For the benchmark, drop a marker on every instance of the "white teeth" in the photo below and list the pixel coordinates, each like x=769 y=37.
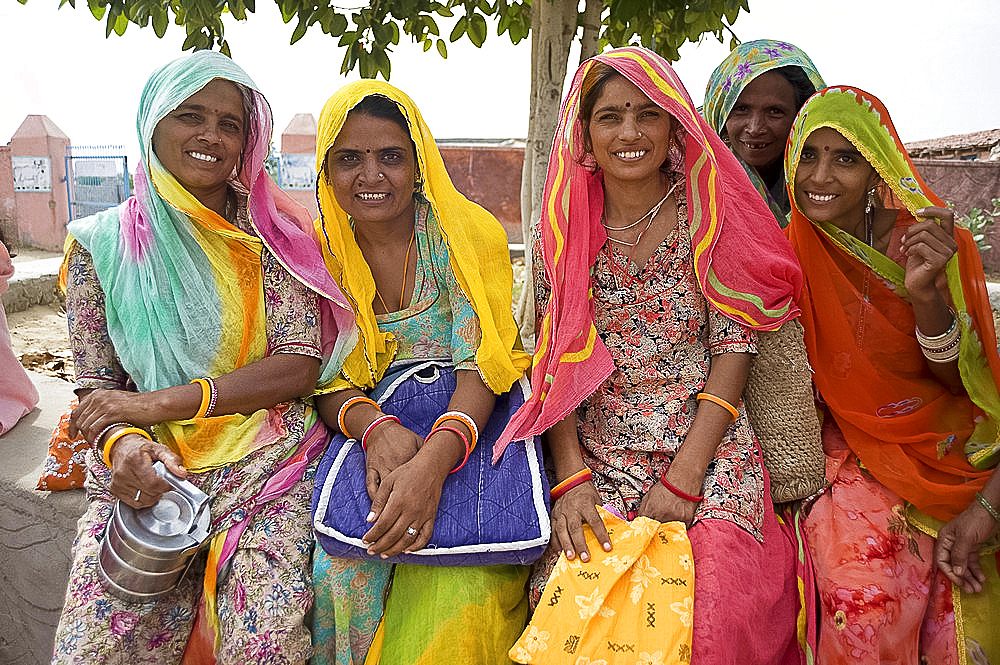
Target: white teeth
x=634 y=154
x=203 y=157
x=820 y=198
x=365 y=196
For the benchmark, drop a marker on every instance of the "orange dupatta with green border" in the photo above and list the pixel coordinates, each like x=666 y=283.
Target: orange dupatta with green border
x=933 y=448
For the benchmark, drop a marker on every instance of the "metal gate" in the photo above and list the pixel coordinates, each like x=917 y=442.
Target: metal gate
x=97 y=178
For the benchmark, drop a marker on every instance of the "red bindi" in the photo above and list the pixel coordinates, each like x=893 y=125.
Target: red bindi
x=826 y=148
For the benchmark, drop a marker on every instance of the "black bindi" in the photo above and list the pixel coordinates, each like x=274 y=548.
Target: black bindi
x=628 y=104
x=369 y=149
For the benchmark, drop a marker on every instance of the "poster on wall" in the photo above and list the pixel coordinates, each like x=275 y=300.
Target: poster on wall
x=298 y=171
x=31 y=174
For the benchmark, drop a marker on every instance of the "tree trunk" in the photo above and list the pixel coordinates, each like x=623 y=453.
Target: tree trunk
x=590 y=21
x=553 y=26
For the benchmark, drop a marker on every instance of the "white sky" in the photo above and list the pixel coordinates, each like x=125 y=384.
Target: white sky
x=934 y=64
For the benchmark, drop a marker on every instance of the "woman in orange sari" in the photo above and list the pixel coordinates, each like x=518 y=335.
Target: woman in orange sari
x=900 y=335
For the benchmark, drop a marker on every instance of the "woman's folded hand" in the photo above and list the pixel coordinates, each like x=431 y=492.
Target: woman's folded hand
x=133 y=479
x=390 y=445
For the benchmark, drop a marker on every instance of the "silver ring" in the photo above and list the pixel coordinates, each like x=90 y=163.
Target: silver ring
x=137 y=494
x=381 y=176
x=410 y=530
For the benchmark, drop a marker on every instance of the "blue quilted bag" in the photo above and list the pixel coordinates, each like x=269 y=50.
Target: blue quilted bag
x=488 y=514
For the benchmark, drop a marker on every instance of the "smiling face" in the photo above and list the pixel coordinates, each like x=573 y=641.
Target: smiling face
x=372 y=168
x=832 y=181
x=201 y=141
x=627 y=133
x=759 y=122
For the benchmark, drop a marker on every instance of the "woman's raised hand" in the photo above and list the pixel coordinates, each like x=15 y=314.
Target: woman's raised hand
x=928 y=245
x=578 y=506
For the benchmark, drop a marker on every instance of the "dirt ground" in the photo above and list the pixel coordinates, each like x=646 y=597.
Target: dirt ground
x=39 y=338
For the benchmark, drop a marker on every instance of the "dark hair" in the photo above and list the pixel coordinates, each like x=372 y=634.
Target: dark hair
x=383 y=108
x=591 y=90
x=803 y=87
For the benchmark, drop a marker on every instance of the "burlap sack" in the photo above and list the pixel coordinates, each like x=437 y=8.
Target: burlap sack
x=779 y=402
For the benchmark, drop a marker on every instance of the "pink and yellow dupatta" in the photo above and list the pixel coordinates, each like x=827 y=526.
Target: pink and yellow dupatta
x=746 y=270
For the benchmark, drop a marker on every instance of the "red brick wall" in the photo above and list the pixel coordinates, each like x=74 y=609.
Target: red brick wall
x=490 y=175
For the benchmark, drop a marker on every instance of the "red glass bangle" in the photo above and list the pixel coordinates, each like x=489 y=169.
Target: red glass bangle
x=461 y=435
x=375 y=423
x=694 y=498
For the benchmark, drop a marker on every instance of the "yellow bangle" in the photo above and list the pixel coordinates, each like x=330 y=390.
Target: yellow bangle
x=206 y=398
x=113 y=439
x=721 y=402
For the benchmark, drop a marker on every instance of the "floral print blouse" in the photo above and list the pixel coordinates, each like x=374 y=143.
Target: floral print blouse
x=661 y=335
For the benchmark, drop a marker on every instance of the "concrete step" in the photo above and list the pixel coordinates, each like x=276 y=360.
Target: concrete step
x=36 y=532
x=33 y=283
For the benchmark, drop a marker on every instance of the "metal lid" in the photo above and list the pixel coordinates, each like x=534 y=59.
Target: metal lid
x=179 y=521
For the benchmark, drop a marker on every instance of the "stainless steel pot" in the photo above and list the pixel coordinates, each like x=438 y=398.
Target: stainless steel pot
x=146 y=551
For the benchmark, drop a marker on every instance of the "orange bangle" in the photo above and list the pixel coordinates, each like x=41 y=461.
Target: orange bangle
x=578 y=478
x=357 y=399
x=206 y=398
x=113 y=439
x=719 y=401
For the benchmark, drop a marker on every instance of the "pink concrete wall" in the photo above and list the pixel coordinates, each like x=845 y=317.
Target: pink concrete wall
x=42 y=216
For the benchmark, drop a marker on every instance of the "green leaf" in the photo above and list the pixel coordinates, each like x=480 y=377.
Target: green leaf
x=427 y=44
x=383 y=64
x=477 y=30
x=338 y=24
x=224 y=49
x=299 y=32
x=458 y=30
x=96 y=8
x=442 y=48
x=160 y=20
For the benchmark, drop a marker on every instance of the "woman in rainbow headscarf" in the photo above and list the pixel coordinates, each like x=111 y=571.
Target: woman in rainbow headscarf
x=657 y=272
x=751 y=100
x=200 y=317
x=901 y=340
x=430 y=277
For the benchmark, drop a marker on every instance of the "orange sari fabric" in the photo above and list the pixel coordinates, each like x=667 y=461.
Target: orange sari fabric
x=903 y=424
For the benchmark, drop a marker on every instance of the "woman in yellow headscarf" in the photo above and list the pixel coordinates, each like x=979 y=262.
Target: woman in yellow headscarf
x=429 y=275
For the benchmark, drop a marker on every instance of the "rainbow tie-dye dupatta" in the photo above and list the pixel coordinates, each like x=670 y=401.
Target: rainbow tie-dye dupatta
x=747 y=270
x=183 y=286
x=746 y=62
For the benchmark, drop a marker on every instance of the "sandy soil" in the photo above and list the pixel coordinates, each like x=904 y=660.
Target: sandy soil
x=39 y=338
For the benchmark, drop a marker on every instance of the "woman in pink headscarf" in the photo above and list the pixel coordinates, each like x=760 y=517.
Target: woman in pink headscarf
x=657 y=273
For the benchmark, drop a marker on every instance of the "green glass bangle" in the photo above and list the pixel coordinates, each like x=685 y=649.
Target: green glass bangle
x=988 y=506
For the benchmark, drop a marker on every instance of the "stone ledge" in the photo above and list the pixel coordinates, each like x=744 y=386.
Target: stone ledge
x=37 y=530
x=33 y=283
